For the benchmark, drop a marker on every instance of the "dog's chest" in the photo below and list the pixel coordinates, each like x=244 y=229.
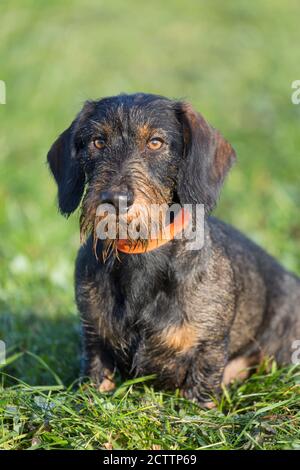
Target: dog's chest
x=143 y=322
x=149 y=339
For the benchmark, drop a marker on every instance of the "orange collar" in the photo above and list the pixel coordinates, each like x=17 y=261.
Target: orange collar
x=180 y=223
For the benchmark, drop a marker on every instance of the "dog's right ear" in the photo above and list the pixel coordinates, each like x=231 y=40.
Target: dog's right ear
x=69 y=176
x=207 y=159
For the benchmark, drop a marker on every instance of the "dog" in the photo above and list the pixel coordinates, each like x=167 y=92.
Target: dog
x=193 y=318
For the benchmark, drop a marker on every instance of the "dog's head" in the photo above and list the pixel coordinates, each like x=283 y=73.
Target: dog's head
x=138 y=150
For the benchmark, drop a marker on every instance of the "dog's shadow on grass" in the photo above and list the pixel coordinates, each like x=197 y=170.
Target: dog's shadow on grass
x=40 y=350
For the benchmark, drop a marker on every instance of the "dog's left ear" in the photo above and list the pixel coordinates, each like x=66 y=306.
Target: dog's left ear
x=64 y=162
x=207 y=159
x=66 y=169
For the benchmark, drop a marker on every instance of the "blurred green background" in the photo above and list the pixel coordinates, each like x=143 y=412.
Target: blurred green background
x=235 y=61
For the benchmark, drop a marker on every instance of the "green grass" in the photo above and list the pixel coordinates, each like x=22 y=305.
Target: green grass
x=263 y=413
x=235 y=61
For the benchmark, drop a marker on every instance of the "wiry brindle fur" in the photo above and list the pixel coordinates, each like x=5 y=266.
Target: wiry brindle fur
x=193 y=318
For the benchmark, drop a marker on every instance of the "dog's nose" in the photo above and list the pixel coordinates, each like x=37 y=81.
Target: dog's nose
x=121 y=200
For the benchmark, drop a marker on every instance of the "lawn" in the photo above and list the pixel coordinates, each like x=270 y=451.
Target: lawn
x=235 y=61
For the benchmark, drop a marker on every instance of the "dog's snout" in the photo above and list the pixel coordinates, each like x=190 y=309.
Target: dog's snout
x=121 y=200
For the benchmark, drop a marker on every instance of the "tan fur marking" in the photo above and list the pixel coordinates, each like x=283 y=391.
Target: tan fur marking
x=181 y=338
x=224 y=153
x=209 y=405
x=238 y=369
x=107 y=384
x=144 y=132
x=103 y=127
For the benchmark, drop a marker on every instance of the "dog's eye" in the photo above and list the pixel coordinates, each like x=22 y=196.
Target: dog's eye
x=155 y=143
x=99 y=143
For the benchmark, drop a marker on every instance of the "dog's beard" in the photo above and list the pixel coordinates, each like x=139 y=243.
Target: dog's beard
x=137 y=226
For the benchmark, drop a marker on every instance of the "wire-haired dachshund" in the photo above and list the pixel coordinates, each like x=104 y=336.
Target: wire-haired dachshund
x=193 y=318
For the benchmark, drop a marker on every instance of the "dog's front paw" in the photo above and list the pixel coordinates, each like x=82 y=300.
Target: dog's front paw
x=107 y=385
x=102 y=379
x=194 y=395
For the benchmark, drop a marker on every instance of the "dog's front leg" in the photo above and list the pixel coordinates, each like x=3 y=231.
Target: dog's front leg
x=98 y=364
x=204 y=377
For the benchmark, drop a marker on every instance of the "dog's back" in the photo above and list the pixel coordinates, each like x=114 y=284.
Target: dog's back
x=267 y=318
